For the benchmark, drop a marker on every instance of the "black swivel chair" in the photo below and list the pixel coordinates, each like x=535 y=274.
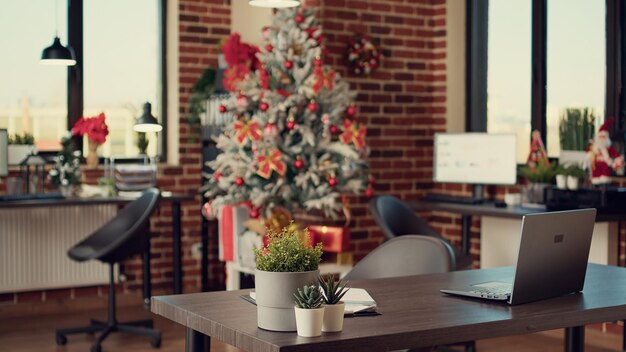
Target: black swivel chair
x=395 y=218
x=123 y=236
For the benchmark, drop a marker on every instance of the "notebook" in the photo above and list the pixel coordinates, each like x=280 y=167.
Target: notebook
x=552 y=259
x=358 y=302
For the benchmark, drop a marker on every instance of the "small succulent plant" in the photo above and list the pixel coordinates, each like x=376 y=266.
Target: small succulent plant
x=333 y=290
x=309 y=297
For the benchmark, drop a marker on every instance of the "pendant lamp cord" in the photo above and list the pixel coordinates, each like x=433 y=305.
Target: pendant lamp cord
x=56 y=18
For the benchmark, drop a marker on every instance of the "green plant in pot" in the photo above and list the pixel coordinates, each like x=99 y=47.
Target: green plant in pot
x=333 y=292
x=539 y=177
x=285 y=264
x=309 y=311
x=574 y=174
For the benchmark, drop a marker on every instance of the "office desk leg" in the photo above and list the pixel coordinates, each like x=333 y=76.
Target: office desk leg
x=197 y=341
x=147 y=284
x=575 y=339
x=178 y=272
x=204 y=257
x=624 y=336
x=466 y=233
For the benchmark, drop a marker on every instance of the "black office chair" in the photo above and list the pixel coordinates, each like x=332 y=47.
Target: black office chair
x=405 y=256
x=123 y=236
x=395 y=218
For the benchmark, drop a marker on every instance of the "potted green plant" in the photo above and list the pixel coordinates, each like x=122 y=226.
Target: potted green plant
x=309 y=311
x=20 y=147
x=539 y=177
x=576 y=129
x=333 y=291
x=574 y=174
x=285 y=264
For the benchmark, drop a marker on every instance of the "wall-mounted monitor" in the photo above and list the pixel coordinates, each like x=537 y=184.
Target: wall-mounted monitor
x=475 y=158
x=4 y=153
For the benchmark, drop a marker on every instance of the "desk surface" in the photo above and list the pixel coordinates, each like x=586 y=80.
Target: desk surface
x=488 y=208
x=165 y=196
x=414 y=313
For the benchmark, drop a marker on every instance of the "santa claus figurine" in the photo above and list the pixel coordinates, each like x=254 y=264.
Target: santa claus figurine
x=603 y=157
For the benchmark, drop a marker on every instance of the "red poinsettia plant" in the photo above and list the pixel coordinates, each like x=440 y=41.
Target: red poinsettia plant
x=241 y=59
x=94 y=127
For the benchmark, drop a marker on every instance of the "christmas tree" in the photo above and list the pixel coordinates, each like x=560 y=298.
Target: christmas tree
x=294 y=141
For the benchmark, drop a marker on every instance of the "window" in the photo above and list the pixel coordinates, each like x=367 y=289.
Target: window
x=121 y=68
x=33 y=97
x=576 y=62
x=508 y=71
x=543 y=57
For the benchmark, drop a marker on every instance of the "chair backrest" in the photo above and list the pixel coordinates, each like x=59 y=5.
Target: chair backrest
x=395 y=218
x=122 y=235
x=404 y=256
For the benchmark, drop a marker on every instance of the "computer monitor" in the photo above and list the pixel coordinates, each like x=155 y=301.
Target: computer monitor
x=475 y=158
x=4 y=153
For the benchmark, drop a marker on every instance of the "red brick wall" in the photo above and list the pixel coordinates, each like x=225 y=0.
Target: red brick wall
x=402 y=103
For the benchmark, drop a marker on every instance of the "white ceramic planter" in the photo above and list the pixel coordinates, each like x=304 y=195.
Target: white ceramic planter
x=572 y=183
x=561 y=181
x=309 y=321
x=274 y=297
x=19 y=152
x=333 y=317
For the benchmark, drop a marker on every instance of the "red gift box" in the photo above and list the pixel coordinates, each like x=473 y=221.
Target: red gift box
x=335 y=239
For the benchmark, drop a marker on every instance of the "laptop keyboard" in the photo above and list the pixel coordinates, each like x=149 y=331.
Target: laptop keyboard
x=492 y=290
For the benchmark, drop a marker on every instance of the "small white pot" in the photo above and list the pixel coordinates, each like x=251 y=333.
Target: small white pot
x=572 y=183
x=333 y=317
x=561 y=181
x=18 y=152
x=309 y=321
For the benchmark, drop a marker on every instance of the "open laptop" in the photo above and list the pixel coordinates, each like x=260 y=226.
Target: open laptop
x=552 y=259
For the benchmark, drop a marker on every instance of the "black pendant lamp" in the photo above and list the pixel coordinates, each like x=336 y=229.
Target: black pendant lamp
x=274 y=3
x=146 y=122
x=57 y=54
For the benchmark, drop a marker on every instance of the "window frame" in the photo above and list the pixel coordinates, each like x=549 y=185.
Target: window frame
x=75 y=88
x=477 y=44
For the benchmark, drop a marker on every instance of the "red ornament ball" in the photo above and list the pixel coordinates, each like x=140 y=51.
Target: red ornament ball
x=223 y=109
x=312 y=106
x=254 y=213
x=299 y=18
x=334 y=129
x=217 y=175
x=298 y=164
x=351 y=110
x=288 y=64
x=269 y=48
x=369 y=192
x=239 y=181
x=290 y=125
x=332 y=182
x=264 y=106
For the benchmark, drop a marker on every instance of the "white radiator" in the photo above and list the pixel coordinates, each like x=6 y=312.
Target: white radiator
x=34 y=242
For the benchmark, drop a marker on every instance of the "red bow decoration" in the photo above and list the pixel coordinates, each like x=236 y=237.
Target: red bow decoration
x=247 y=129
x=354 y=133
x=271 y=161
x=323 y=80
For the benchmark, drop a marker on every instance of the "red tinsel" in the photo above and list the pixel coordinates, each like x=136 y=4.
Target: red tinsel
x=94 y=127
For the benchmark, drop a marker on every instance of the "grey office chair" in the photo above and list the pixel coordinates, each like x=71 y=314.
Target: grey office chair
x=404 y=256
x=395 y=218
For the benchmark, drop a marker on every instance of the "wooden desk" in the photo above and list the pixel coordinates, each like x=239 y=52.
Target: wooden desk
x=500 y=230
x=175 y=199
x=414 y=314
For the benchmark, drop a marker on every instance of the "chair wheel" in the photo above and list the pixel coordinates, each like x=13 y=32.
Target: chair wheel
x=61 y=339
x=96 y=348
x=155 y=342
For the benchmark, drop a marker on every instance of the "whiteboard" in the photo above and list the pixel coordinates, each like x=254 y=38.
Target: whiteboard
x=475 y=158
